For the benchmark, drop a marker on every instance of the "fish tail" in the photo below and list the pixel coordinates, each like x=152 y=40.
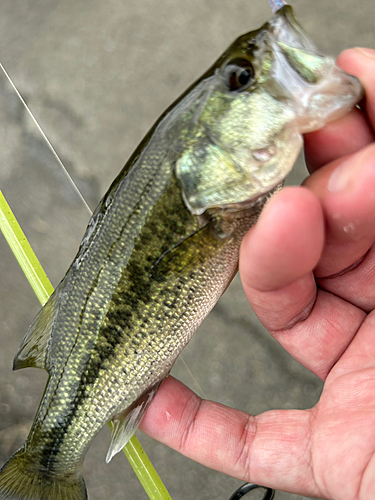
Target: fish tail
x=21 y=479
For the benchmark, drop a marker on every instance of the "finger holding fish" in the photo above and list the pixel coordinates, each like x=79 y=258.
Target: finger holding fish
x=297 y=311
x=344 y=188
x=288 y=303
x=294 y=307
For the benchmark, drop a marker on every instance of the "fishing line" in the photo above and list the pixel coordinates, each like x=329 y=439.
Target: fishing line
x=76 y=189
x=47 y=141
x=193 y=377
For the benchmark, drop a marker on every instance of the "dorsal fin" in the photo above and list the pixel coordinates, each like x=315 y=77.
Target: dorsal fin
x=33 y=349
x=126 y=423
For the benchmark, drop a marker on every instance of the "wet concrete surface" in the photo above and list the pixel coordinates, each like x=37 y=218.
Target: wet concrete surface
x=97 y=75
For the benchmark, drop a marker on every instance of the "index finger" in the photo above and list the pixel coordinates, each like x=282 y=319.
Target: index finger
x=252 y=448
x=356 y=129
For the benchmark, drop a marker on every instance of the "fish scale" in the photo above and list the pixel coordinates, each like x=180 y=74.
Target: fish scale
x=141 y=356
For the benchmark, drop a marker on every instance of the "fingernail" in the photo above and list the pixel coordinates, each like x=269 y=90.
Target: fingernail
x=341 y=177
x=366 y=52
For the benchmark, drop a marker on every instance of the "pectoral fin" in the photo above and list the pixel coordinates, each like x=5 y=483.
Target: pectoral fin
x=125 y=424
x=191 y=252
x=34 y=347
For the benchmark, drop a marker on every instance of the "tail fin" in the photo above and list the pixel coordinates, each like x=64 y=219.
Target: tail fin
x=20 y=479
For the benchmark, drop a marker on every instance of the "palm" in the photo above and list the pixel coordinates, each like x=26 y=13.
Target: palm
x=342 y=426
x=308 y=270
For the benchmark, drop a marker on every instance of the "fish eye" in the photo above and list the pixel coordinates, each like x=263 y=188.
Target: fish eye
x=239 y=74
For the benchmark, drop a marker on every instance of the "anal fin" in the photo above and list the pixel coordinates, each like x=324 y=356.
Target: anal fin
x=33 y=349
x=125 y=424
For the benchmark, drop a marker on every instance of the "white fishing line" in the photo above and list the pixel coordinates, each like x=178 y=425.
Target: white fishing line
x=198 y=386
x=47 y=141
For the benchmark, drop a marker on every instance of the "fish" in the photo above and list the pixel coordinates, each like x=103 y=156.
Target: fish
x=162 y=246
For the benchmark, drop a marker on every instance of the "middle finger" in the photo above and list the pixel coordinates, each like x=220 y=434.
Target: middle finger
x=346 y=191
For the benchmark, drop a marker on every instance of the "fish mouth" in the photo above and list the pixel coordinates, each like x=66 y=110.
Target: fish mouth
x=315 y=88
x=336 y=95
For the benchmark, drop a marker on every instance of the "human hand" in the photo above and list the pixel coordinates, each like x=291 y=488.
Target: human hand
x=308 y=270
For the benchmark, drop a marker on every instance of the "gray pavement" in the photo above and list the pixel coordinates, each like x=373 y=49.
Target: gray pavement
x=97 y=75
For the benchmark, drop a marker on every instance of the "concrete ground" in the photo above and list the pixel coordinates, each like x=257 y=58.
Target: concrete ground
x=97 y=75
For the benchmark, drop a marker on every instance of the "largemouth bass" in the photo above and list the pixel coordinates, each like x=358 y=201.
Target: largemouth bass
x=163 y=244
